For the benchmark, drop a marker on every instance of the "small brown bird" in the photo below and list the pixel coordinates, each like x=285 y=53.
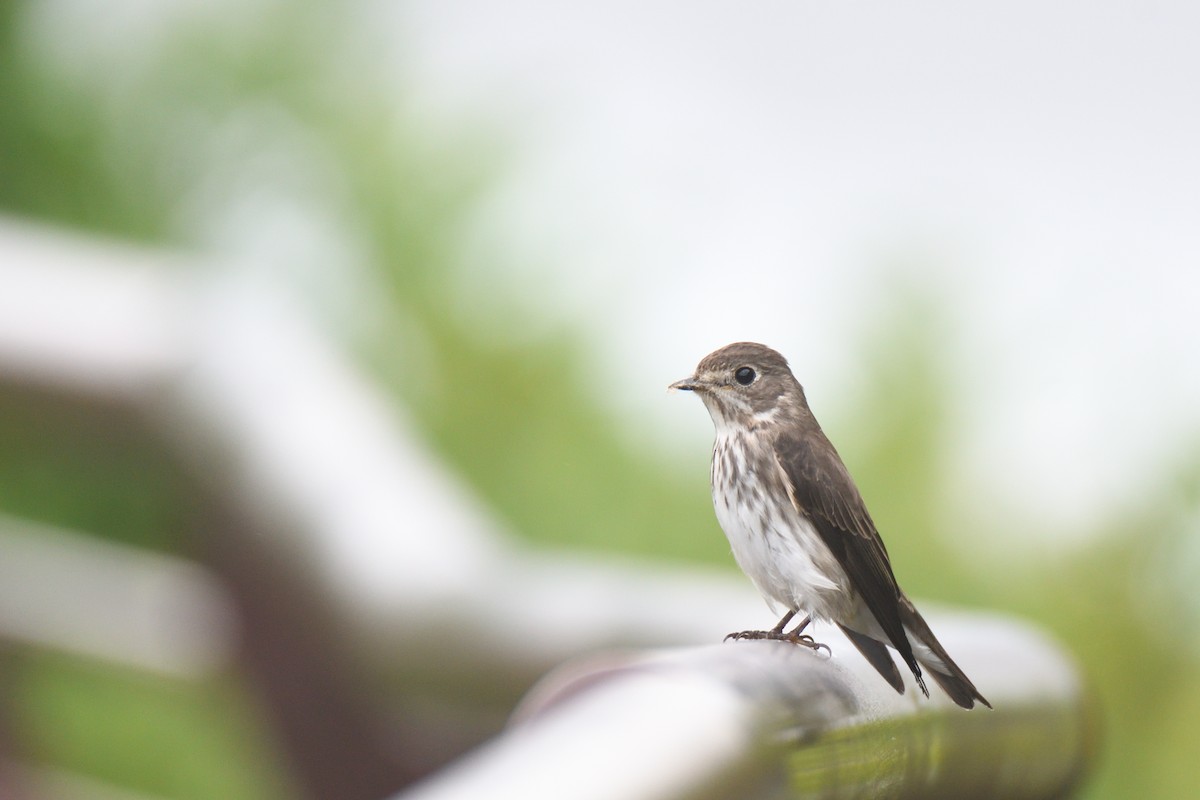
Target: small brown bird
x=798 y=526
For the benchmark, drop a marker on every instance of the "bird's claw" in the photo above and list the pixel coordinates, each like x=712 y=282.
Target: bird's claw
x=809 y=642
x=802 y=639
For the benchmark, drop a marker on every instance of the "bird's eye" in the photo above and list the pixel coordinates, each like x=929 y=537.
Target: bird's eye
x=744 y=375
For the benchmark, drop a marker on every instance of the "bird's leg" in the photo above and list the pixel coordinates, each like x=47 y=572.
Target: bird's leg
x=774 y=633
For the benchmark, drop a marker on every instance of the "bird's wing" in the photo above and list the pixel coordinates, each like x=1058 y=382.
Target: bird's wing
x=821 y=488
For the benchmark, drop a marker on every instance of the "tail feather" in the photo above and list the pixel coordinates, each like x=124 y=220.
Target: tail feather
x=937 y=661
x=960 y=689
x=877 y=655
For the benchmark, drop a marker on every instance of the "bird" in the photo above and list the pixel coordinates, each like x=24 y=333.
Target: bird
x=798 y=525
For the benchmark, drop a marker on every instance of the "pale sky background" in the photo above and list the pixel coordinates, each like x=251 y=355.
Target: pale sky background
x=693 y=173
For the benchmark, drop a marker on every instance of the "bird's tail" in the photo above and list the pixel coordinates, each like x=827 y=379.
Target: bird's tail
x=936 y=661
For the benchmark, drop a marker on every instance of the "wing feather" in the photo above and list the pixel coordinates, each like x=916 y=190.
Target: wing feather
x=821 y=488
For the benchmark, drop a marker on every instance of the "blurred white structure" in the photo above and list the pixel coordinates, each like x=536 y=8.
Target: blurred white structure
x=311 y=489
x=67 y=591
x=779 y=721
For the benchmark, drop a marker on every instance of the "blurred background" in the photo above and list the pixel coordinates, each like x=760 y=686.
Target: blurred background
x=972 y=230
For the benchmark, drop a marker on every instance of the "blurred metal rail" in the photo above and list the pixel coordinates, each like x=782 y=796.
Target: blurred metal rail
x=350 y=555
x=766 y=720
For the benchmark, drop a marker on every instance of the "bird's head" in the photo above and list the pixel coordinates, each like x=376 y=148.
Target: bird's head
x=744 y=384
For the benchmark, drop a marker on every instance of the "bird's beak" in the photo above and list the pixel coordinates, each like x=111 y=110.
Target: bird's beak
x=688 y=384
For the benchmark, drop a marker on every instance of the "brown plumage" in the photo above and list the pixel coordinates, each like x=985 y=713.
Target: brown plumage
x=798 y=525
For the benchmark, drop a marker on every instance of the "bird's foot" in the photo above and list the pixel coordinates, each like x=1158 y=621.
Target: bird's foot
x=794 y=637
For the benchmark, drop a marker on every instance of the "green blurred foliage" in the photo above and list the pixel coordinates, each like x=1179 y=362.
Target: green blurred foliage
x=128 y=156
x=162 y=737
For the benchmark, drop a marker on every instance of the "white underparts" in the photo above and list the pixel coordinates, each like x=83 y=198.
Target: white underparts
x=773 y=543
